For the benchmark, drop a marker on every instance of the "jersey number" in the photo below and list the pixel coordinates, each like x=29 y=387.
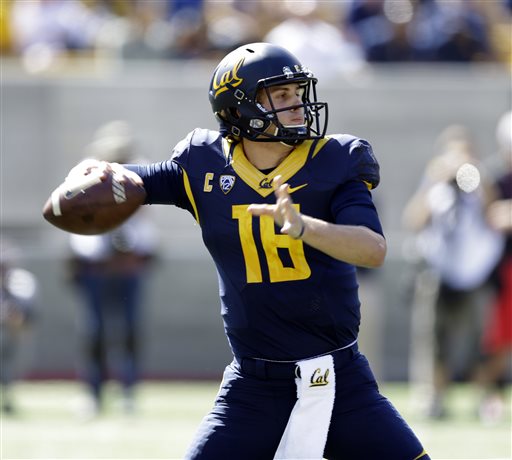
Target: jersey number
x=271 y=243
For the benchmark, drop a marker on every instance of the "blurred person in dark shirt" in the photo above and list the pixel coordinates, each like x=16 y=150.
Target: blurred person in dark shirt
x=111 y=270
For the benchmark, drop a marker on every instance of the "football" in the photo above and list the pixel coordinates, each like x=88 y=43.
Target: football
x=94 y=203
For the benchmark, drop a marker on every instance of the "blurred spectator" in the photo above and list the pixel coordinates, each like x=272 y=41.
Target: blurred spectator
x=381 y=35
x=463 y=33
x=188 y=29
x=425 y=30
x=167 y=29
x=110 y=270
x=44 y=29
x=178 y=6
x=317 y=43
x=497 y=340
x=230 y=25
x=41 y=31
x=459 y=251
x=18 y=293
x=499 y=20
x=149 y=35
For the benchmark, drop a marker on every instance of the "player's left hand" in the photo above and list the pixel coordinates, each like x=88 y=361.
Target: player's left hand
x=283 y=212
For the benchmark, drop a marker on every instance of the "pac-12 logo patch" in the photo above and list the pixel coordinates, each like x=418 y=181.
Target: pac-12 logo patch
x=226 y=182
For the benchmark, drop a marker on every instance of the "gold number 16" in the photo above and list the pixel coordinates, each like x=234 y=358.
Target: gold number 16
x=271 y=242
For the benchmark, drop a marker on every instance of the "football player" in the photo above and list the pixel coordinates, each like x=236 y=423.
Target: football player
x=287 y=215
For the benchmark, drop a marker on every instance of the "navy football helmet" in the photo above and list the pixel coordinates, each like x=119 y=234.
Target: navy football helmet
x=237 y=81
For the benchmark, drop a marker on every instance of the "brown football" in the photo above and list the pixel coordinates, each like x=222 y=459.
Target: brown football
x=93 y=203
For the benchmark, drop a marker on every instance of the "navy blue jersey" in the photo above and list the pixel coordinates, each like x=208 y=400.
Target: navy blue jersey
x=281 y=299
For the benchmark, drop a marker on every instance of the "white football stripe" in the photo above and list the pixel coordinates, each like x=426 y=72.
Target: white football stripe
x=118 y=190
x=78 y=186
x=56 y=203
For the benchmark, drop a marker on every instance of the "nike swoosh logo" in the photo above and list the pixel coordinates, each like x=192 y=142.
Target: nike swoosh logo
x=294 y=189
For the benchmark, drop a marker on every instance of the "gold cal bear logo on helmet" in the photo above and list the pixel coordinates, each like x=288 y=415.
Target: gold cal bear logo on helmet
x=229 y=76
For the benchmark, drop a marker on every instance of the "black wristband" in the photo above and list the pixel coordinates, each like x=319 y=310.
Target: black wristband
x=302 y=230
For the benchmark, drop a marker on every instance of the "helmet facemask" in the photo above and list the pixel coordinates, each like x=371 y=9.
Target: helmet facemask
x=311 y=128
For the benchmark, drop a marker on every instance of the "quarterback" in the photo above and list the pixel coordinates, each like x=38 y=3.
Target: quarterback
x=286 y=213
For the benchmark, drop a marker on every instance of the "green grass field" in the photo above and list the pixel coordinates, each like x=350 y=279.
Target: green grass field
x=48 y=425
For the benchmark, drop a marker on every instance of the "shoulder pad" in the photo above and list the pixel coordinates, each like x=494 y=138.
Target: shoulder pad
x=363 y=164
x=343 y=139
x=200 y=137
x=196 y=138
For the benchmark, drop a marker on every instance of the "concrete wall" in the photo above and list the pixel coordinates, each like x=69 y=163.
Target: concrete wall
x=46 y=121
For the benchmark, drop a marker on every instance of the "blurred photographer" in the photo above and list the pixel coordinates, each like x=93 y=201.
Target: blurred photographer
x=458 y=251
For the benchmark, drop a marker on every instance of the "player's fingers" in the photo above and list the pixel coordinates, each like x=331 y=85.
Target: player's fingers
x=84 y=168
x=294 y=228
x=277 y=182
x=262 y=209
x=293 y=224
x=285 y=207
x=280 y=188
x=266 y=210
x=286 y=228
x=282 y=191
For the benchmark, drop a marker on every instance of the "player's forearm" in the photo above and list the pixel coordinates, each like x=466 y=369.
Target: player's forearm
x=356 y=245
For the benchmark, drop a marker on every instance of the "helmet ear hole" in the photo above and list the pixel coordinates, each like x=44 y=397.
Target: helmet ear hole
x=235 y=113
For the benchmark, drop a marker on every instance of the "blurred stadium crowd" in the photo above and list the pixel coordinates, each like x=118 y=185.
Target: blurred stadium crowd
x=356 y=31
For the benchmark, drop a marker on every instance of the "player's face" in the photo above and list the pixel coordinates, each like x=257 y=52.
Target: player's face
x=285 y=96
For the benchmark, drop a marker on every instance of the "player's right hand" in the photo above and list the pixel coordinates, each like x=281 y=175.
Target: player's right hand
x=103 y=168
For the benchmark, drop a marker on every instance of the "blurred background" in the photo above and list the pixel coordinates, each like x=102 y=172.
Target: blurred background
x=397 y=73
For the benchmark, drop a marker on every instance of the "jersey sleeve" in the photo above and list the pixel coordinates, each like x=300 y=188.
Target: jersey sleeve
x=164 y=181
x=352 y=204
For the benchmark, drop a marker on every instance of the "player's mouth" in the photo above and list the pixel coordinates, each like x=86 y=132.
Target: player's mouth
x=295 y=122
x=296 y=119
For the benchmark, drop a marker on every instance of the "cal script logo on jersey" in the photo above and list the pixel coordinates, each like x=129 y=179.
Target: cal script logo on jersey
x=266 y=183
x=230 y=77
